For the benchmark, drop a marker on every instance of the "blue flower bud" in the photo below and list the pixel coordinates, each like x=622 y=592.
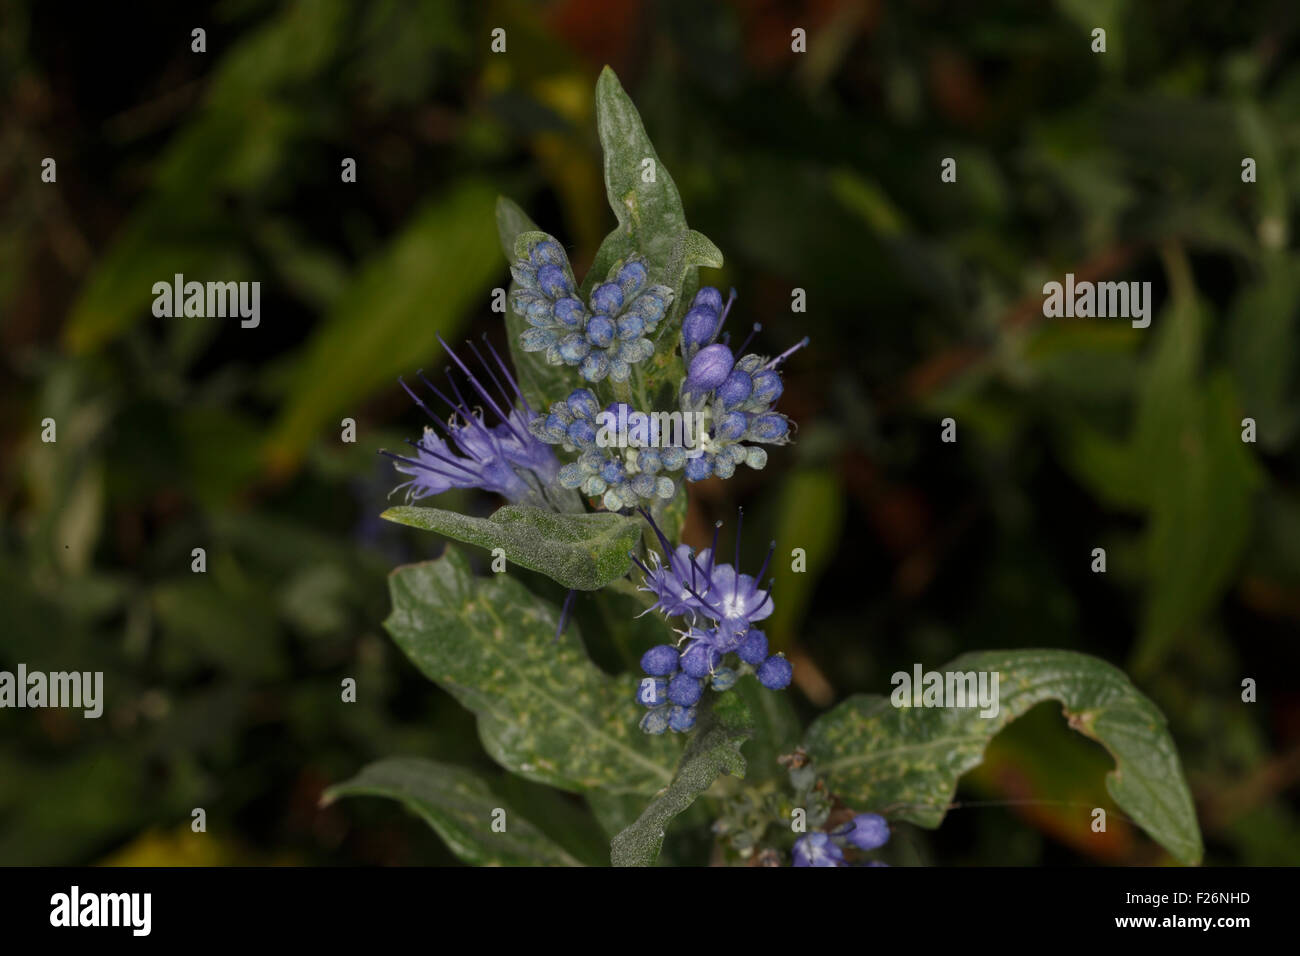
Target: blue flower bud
x=698 y=327
x=594 y=367
x=753 y=647
x=643 y=485
x=697 y=469
x=681 y=719
x=571 y=476
x=652 y=692
x=709 y=369
x=708 y=298
x=600 y=331
x=735 y=389
x=552 y=281
x=756 y=458
x=700 y=658
x=582 y=403
x=723 y=466
x=660 y=661
x=775 y=673
x=685 y=691
x=767 y=387
x=652 y=305
x=581 y=433
x=570 y=311
x=770 y=427
x=672 y=457
x=546 y=253
x=664 y=488
x=731 y=426
x=630 y=326
x=724 y=678
x=647 y=459
x=607 y=298
x=655 y=721
x=613 y=471
x=631 y=277
x=870 y=831
x=573 y=348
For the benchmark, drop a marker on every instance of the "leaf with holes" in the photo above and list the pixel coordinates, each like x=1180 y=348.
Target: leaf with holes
x=905 y=761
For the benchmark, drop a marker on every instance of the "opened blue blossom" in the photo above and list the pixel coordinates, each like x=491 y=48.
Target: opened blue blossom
x=816 y=849
x=866 y=831
x=719 y=605
x=603 y=337
x=463 y=449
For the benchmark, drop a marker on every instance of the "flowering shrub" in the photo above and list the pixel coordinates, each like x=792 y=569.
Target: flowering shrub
x=602 y=516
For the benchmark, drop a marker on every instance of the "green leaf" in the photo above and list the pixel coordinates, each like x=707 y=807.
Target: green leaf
x=650 y=216
x=713 y=750
x=541 y=382
x=905 y=761
x=387 y=321
x=544 y=710
x=460 y=807
x=583 y=552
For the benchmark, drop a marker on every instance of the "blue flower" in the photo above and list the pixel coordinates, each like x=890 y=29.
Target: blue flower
x=816 y=849
x=621 y=477
x=603 y=338
x=870 y=831
x=465 y=451
x=720 y=605
x=736 y=397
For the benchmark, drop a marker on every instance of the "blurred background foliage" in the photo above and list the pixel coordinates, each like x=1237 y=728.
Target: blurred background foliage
x=816 y=171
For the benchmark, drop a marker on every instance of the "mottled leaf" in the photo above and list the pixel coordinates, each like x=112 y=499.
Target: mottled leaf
x=544 y=710
x=905 y=761
x=581 y=551
x=460 y=807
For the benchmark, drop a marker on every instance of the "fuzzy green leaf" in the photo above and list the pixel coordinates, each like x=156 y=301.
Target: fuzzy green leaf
x=905 y=761
x=545 y=711
x=460 y=807
x=714 y=750
x=583 y=552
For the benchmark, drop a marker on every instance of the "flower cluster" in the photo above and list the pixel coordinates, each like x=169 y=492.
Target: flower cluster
x=464 y=451
x=604 y=337
x=866 y=831
x=621 y=481
x=720 y=606
x=737 y=398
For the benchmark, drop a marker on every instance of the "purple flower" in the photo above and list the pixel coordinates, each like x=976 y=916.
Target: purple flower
x=720 y=605
x=816 y=849
x=465 y=451
x=870 y=831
